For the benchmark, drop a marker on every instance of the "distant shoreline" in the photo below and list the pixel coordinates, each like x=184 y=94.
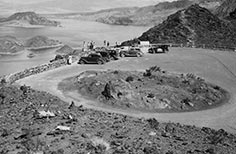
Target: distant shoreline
x=10 y=53
x=43 y=47
x=24 y=25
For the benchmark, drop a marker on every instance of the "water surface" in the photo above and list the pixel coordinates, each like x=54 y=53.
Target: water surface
x=72 y=32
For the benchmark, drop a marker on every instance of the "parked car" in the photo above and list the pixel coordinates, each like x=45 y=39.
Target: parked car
x=124 y=48
x=105 y=55
x=132 y=52
x=113 y=54
x=108 y=55
x=159 y=49
x=100 y=49
x=92 y=58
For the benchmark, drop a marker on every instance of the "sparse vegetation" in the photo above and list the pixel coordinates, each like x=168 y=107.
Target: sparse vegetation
x=154 y=90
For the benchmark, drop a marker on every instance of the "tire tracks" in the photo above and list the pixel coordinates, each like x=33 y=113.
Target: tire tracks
x=224 y=65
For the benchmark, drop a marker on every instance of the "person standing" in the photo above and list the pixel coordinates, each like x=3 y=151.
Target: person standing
x=83 y=48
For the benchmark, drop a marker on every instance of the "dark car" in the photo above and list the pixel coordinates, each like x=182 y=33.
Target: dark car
x=108 y=55
x=113 y=54
x=132 y=52
x=92 y=58
x=105 y=55
x=159 y=49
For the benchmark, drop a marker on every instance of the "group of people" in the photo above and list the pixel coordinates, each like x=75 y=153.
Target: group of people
x=106 y=43
x=89 y=45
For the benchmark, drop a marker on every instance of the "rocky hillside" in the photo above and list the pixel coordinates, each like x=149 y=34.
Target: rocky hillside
x=41 y=42
x=144 y=16
x=30 y=18
x=227 y=11
x=39 y=123
x=226 y=8
x=194 y=25
x=9 y=44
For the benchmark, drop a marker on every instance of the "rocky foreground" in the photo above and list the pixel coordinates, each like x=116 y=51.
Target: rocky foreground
x=37 y=122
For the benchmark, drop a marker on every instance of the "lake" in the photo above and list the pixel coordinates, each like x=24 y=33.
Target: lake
x=72 y=32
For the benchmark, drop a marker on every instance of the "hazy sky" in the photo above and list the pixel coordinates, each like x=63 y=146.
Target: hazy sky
x=63 y=6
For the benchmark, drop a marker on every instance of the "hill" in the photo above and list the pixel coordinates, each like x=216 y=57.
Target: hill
x=194 y=25
x=25 y=19
x=142 y=16
x=10 y=45
x=41 y=42
x=227 y=11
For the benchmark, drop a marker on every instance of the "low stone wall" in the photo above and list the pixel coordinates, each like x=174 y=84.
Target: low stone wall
x=9 y=79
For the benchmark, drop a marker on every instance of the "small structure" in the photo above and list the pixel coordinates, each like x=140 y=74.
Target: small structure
x=144 y=43
x=144 y=46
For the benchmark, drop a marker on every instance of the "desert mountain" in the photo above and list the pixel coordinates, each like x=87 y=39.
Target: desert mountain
x=9 y=44
x=194 y=25
x=227 y=7
x=28 y=18
x=142 y=16
x=227 y=10
x=41 y=42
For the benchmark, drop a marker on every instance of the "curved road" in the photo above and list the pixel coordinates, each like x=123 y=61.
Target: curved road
x=217 y=67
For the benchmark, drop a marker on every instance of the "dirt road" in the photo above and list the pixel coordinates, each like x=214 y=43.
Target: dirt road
x=217 y=67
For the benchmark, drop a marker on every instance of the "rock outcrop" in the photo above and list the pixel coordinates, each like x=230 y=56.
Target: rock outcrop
x=31 y=18
x=9 y=45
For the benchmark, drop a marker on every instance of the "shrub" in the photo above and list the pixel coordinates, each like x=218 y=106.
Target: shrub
x=150 y=95
x=3 y=81
x=116 y=72
x=153 y=123
x=129 y=79
x=216 y=87
x=155 y=69
x=147 y=73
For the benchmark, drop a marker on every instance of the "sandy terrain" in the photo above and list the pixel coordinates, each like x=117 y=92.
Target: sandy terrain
x=215 y=66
